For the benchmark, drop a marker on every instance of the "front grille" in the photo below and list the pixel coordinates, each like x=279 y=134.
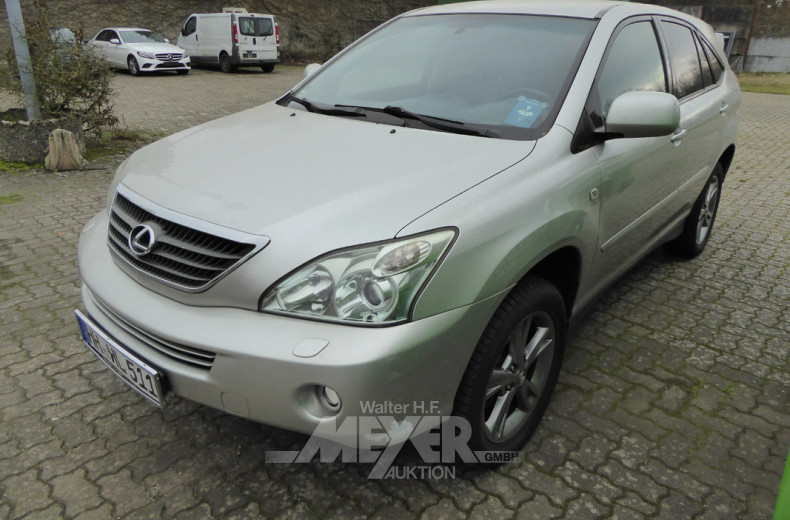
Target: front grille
x=181 y=256
x=184 y=353
x=168 y=57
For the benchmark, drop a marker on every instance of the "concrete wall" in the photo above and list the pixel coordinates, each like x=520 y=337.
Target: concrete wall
x=768 y=55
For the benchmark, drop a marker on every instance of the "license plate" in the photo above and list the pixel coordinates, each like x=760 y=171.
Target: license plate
x=131 y=369
x=250 y=55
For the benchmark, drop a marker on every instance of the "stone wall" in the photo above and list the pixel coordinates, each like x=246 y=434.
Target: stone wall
x=316 y=29
x=28 y=141
x=309 y=28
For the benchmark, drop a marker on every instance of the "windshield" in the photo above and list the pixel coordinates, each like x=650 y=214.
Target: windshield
x=141 y=37
x=255 y=26
x=505 y=72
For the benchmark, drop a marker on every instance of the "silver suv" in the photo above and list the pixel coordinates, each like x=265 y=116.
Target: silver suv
x=425 y=217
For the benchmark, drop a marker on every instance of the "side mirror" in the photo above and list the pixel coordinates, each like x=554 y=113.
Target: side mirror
x=311 y=69
x=166 y=40
x=643 y=114
x=115 y=41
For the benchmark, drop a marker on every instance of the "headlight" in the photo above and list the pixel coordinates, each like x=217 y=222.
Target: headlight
x=373 y=284
x=185 y=54
x=146 y=55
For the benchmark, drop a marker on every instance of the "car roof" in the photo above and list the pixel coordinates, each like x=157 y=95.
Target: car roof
x=573 y=8
x=127 y=29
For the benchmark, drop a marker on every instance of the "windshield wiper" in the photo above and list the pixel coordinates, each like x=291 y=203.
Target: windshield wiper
x=335 y=110
x=447 y=125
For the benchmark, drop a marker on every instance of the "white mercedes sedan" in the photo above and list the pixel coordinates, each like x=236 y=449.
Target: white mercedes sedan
x=139 y=50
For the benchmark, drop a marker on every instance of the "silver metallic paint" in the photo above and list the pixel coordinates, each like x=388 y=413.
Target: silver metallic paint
x=513 y=202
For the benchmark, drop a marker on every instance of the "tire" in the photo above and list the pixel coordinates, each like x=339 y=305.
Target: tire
x=224 y=63
x=699 y=224
x=267 y=67
x=134 y=67
x=182 y=72
x=513 y=371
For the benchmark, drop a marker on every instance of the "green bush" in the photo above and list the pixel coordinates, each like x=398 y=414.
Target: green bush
x=71 y=80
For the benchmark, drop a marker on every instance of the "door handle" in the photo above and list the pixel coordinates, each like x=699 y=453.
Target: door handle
x=677 y=136
x=723 y=109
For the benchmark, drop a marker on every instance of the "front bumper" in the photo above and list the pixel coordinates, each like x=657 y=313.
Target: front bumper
x=271 y=368
x=150 y=65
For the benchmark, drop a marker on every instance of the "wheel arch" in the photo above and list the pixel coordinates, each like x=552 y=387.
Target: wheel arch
x=726 y=158
x=561 y=268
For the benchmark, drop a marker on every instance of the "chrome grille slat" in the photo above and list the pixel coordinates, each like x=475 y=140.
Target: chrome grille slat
x=191 y=355
x=199 y=248
x=160 y=271
x=183 y=257
x=168 y=56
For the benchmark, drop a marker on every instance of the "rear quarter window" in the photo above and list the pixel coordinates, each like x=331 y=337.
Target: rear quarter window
x=715 y=65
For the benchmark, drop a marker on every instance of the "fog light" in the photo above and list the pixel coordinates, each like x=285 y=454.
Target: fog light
x=330 y=397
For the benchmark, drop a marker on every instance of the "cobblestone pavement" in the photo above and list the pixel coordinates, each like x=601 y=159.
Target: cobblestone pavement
x=167 y=102
x=673 y=401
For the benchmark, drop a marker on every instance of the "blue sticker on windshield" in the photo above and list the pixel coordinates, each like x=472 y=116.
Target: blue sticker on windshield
x=525 y=112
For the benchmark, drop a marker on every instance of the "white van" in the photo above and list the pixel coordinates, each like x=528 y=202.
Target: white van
x=231 y=39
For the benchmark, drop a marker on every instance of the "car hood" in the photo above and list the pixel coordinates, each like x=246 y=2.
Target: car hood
x=156 y=48
x=281 y=172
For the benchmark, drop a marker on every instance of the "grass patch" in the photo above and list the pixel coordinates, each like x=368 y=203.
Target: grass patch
x=11 y=166
x=10 y=199
x=111 y=142
x=116 y=142
x=765 y=82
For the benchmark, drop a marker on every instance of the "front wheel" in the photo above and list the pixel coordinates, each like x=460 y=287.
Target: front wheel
x=134 y=68
x=513 y=371
x=699 y=224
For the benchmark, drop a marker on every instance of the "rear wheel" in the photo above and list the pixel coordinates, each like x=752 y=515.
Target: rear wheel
x=134 y=68
x=699 y=224
x=513 y=371
x=224 y=63
x=267 y=67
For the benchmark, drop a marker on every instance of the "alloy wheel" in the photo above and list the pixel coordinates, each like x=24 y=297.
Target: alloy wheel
x=708 y=210
x=519 y=377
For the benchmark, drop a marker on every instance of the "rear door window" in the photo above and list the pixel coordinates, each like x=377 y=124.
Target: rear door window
x=685 y=60
x=106 y=35
x=249 y=26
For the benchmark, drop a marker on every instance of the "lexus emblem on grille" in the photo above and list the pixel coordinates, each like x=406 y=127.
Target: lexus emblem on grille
x=142 y=239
